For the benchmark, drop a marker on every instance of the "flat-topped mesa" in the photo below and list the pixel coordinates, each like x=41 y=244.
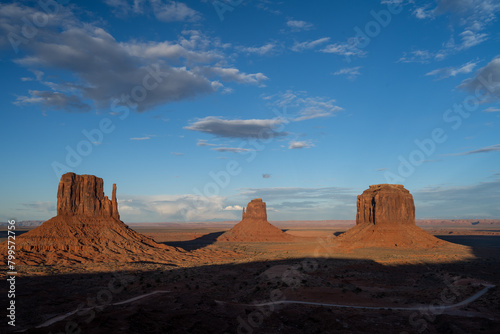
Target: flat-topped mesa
x=386 y=219
x=83 y=195
x=385 y=204
x=256 y=209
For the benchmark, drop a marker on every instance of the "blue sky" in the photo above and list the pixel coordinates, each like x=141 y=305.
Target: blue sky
x=194 y=108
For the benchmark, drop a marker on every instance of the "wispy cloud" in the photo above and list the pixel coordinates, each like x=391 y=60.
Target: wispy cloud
x=140 y=138
x=54 y=100
x=260 y=50
x=493 y=148
x=41 y=207
x=204 y=142
x=308 y=45
x=447 y=72
x=165 y=11
x=351 y=72
x=296 y=25
x=234 y=75
x=473 y=18
x=299 y=144
x=230 y=149
x=174 y=11
x=266 y=176
x=177 y=154
x=491 y=109
x=468 y=201
x=344 y=49
x=308 y=107
x=417 y=56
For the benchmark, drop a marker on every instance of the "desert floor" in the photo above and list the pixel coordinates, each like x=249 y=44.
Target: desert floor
x=307 y=286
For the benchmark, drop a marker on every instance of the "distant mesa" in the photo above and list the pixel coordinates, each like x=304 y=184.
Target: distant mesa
x=386 y=219
x=254 y=226
x=87 y=228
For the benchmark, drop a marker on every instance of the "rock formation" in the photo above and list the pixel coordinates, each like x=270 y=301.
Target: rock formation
x=254 y=226
x=386 y=218
x=87 y=228
x=83 y=195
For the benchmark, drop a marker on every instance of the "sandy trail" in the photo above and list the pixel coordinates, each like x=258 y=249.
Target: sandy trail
x=64 y=316
x=434 y=308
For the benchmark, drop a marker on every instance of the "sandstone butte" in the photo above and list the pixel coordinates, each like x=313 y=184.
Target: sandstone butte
x=254 y=226
x=87 y=228
x=386 y=219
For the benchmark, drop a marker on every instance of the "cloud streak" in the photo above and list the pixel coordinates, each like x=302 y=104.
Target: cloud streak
x=237 y=128
x=489 y=149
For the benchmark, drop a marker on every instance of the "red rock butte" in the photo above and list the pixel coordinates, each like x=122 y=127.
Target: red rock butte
x=87 y=228
x=386 y=219
x=254 y=226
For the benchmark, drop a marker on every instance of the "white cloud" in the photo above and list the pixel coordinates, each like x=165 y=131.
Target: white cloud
x=348 y=49
x=423 y=13
x=299 y=144
x=351 y=72
x=177 y=154
x=296 y=25
x=261 y=50
x=174 y=11
x=470 y=18
x=233 y=208
x=491 y=109
x=140 y=138
x=308 y=107
x=447 y=72
x=170 y=208
x=417 y=56
x=233 y=74
x=298 y=47
x=230 y=149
